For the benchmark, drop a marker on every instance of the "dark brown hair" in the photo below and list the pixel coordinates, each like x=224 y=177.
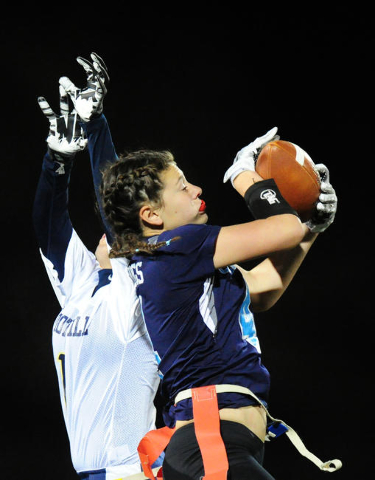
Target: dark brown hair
x=128 y=184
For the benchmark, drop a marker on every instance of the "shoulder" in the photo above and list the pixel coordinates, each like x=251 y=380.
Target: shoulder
x=190 y=237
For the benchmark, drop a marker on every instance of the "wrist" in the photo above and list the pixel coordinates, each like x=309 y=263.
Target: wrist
x=264 y=200
x=96 y=122
x=55 y=156
x=244 y=180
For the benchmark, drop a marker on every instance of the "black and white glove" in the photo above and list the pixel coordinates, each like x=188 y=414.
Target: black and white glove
x=246 y=157
x=66 y=136
x=327 y=204
x=89 y=101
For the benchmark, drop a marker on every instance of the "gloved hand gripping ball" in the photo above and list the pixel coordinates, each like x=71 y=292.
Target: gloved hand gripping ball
x=326 y=206
x=245 y=158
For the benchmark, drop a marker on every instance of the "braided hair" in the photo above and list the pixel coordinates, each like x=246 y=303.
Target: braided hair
x=129 y=183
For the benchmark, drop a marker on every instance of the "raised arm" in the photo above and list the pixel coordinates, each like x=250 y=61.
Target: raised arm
x=277 y=226
x=51 y=219
x=88 y=103
x=268 y=281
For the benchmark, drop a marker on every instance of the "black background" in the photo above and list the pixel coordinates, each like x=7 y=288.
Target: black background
x=203 y=85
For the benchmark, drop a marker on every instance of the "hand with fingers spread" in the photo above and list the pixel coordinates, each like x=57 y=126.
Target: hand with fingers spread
x=246 y=157
x=65 y=136
x=327 y=204
x=88 y=102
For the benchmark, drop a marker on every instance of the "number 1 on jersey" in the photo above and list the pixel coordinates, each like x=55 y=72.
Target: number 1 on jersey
x=61 y=359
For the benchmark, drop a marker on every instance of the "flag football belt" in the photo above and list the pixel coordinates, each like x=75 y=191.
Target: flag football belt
x=207 y=430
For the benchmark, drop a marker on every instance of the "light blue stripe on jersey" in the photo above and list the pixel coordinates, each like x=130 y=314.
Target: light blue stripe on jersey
x=247 y=323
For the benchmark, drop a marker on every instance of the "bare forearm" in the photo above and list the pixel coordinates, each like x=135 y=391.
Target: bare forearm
x=244 y=180
x=269 y=280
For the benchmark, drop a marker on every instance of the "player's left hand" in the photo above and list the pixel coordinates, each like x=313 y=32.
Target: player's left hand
x=246 y=157
x=327 y=204
x=89 y=101
x=66 y=136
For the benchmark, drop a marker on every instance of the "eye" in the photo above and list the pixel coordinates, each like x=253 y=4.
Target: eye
x=184 y=186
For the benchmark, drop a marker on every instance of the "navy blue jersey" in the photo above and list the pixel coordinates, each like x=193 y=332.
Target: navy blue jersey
x=199 y=320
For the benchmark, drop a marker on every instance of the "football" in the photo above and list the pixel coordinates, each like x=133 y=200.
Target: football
x=294 y=173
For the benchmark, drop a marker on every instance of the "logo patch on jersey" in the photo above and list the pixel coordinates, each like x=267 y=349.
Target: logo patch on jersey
x=69 y=327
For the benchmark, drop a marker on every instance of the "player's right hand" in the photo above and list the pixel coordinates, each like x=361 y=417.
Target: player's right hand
x=66 y=136
x=245 y=158
x=89 y=101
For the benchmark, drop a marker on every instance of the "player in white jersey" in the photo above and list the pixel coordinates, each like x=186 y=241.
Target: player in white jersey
x=107 y=371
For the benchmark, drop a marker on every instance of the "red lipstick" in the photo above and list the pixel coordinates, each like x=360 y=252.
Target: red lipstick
x=202 y=208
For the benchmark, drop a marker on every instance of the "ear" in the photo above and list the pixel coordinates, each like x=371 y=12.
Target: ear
x=150 y=215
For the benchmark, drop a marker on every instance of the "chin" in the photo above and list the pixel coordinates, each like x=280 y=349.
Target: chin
x=203 y=218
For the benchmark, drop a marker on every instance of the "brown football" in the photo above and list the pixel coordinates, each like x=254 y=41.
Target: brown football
x=294 y=173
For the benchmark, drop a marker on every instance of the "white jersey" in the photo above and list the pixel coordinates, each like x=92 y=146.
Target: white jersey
x=105 y=363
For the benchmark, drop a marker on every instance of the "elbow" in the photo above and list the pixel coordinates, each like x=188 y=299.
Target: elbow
x=262 y=302
x=262 y=307
x=296 y=231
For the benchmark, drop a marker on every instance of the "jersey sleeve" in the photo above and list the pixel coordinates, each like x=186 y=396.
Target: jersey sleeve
x=80 y=269
x=191 y=250
x=177 y=270
x=102 y=152
x=67 y=260
x=51 y=219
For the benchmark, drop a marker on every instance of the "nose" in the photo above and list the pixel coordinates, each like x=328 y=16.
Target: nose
x=197 y=191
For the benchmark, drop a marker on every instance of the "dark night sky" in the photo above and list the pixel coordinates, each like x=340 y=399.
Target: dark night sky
x=203 y=86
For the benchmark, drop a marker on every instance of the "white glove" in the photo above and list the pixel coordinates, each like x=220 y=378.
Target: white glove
x=327 y=205
x=65 y=136
x=89 y=101
x=245 y=158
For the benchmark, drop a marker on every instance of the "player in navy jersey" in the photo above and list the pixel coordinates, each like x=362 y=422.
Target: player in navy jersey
x=104 y=359
x=198 y=304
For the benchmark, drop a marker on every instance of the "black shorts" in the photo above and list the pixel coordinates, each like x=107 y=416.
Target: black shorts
x=183 y=460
